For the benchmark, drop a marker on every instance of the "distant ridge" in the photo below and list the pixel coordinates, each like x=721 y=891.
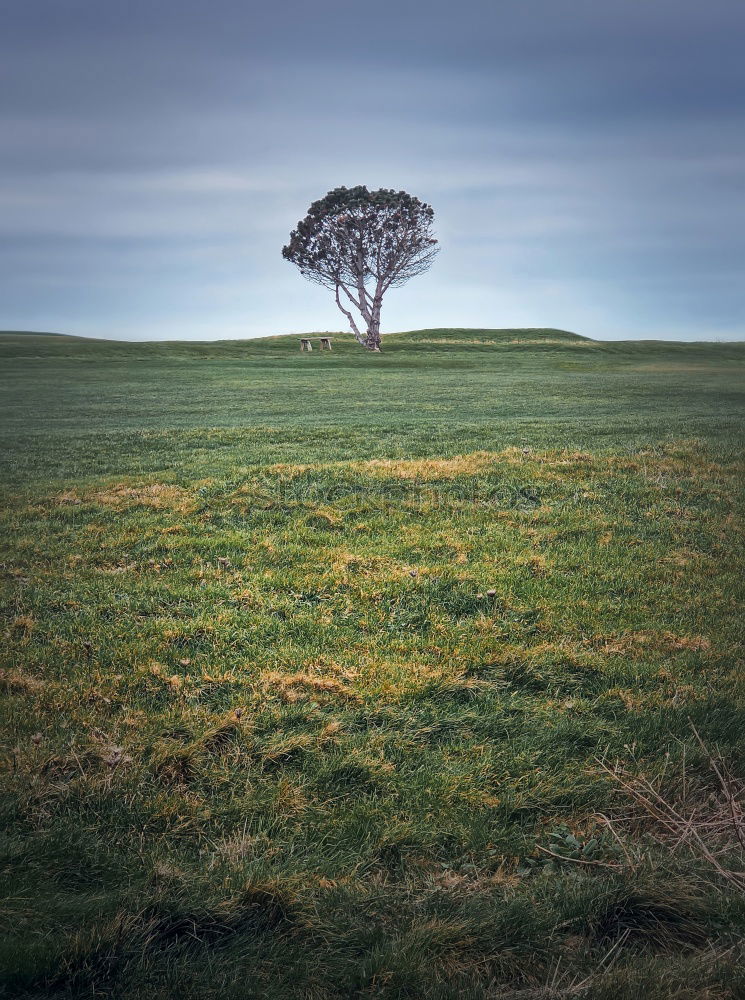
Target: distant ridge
x=460 y=332
x=34 y=333
x=440 y=345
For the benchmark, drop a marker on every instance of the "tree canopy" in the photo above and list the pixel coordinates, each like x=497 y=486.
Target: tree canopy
x=360 y=243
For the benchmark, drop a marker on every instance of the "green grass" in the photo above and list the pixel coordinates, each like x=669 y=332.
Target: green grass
x=308 y=660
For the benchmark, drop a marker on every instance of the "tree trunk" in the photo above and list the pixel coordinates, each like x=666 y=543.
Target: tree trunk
x=370 y=314
x=372 y=341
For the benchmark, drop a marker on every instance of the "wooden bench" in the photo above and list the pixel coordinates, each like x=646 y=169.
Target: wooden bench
x=306 y=344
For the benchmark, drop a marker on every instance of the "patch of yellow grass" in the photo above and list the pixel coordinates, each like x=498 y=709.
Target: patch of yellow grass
x=159 y=496
x=401 y=468
x=685 y=557
x=24 y=624
x=296 y=687
x=537 y=565
x=282 y=747
x=684 y=457
x=324 y=517
x=428 y=469
x=289 y=798
x=15 y=682
x=118 y=568
x=345 y=563
x=662 y=642
x=687 y=460
x=389 y=679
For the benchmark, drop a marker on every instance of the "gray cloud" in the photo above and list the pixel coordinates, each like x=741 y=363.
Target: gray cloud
x=585 y=161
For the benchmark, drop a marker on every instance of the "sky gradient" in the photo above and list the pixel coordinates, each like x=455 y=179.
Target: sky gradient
x=585 y=161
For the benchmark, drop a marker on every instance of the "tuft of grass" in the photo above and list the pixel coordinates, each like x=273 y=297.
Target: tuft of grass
x=669 y=920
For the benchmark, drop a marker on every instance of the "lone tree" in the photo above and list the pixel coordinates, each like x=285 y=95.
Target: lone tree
x=360 y=243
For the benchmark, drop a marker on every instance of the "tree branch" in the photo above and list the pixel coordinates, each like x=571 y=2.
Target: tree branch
x=358 y=336
x=349 y=295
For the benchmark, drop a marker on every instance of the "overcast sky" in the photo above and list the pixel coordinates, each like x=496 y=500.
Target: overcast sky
x=585 y=160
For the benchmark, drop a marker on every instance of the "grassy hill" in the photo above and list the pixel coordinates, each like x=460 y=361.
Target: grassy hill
x=340 y=675
x=448 y=341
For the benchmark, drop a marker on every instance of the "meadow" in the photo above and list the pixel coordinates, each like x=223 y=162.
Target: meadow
x=416 y=675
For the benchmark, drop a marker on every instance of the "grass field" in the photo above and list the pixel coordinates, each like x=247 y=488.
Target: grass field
x=338 y=675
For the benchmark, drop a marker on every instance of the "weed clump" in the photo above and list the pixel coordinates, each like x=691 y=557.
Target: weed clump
x=672 y=920
x=258 y=908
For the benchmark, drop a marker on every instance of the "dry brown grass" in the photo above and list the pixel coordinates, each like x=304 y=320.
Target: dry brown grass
x=16 y=682
x=685 y=814
x=296 y=687
x=121 y=496
x=635 y=643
